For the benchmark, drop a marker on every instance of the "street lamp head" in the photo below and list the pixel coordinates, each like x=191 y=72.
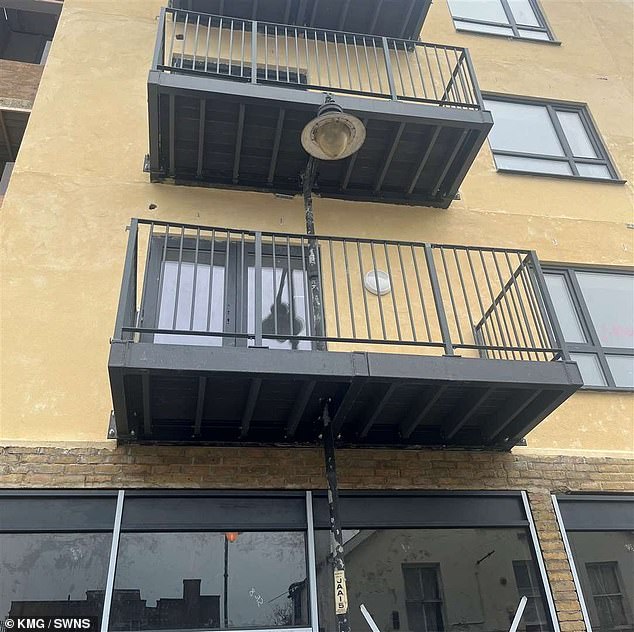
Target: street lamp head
x=333 y=134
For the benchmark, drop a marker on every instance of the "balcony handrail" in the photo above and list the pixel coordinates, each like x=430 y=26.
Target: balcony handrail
x=368 y=65
x=488 y=301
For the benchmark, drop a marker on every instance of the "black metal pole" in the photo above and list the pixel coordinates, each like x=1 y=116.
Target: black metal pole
x=336 y=535
x=225 y=596
x=314 y=281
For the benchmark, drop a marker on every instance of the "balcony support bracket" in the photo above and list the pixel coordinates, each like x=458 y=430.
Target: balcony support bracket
x=336 y=534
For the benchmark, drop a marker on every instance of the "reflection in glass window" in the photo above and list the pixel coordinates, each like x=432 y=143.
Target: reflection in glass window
x=546 y=137
x=528 y=585
x=424 y=580
x=513 y=18
x=53 y=574
x=598 y=325
x=605 y=565
x=185 y=581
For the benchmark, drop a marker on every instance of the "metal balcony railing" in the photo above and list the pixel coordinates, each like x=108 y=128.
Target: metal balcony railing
x=315 y=59
x=196 y=285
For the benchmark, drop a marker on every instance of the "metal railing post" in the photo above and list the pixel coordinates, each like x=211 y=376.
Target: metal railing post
x=257 y=316
x=438 y=301
x=388 y=69
x=548 y=308
x=159 y=47
x=474 y=79
x=254 y=51
x=126 y=310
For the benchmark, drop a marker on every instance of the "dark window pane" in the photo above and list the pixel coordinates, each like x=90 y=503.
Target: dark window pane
x=428 y=579
x=184 y=581
x=53 y=574
x=610 y=301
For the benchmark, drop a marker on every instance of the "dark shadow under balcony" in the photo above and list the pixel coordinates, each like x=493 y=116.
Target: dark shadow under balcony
x=229 y=336
x=228 y=99
x=391 y=18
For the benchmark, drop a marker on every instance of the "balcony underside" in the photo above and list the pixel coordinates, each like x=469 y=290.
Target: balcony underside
x=214 y=132
x=186 y=394
x=390 y=18
x=12 y=128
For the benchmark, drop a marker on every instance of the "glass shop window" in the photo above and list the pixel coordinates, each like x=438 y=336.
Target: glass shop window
x=605 y=566
x=228 y=580
x=435 y=580
x=61 y=573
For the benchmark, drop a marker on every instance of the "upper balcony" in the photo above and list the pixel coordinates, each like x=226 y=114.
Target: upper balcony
x=390 y=18
x=241 y=336
x=228 y=99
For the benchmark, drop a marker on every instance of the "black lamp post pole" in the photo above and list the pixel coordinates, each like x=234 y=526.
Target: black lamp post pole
x=314 y=281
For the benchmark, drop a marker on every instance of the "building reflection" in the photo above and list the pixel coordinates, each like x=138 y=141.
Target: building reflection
x=131 y=612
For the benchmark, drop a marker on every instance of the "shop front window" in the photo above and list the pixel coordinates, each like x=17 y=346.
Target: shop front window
x=433 y=580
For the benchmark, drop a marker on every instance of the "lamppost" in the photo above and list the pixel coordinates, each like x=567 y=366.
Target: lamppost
x=230 y=536
x=332 y=135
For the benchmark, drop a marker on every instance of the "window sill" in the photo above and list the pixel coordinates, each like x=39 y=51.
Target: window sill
x=560 y=176
x=509 y=37
x=606 y=389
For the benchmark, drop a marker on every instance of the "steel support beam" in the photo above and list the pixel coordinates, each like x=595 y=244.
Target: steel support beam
x=377 y=410
x=449 y=162
x=387 y=161
x=147 y=407
x=424 y=159
x=249 y=407
x=299 y=407
x=463 y=411
x=276 y=145
x=418 y=413
x=238 y=149
x=201 y=137
x=202 y=387
x=346 y=405
x=5 y=135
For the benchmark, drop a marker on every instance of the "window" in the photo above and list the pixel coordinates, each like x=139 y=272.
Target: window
x=511 y=18
x=207 y=286
x=423 y=600
x=607 y=595
x=54 y=555
x=527 y=582
x=599 y=534
x=542 y=137
x=595 y=310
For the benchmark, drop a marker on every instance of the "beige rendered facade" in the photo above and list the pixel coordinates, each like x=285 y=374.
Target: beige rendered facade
x=79 y=179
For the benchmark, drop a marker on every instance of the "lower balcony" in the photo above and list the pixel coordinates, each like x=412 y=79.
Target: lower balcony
x=228 y=99
x=231 y=336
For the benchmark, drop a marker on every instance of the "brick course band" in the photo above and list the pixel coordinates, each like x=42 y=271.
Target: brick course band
x=302 y=468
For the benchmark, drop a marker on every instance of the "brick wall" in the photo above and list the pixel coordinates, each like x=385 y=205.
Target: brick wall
x=19 y=83
x=302 y=468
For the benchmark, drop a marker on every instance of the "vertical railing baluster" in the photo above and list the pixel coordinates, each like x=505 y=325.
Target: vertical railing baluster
x=438 y=300
x=266 y=51
x=421 y=294
x=334 y=287
x=350 y=302
x=317 y=59
x=451 y=296
x=337 y=59
x=349 y=72
x=484 y=319
x=365 y=299
x=274 y=294
x=192 y=307
x=242 y=43
x=420 y=70
x=377 y=66
x=219 y=49
x=326 y=46
x=494 y=307
x=148 y=254
x=277 y=56
x=257 y=316
x=254 y=52
x=212 y=253
x=207 y=43
x=178 y=277
x=388 y=69
x=305 y=287
x=393 y=291
x=378 y=290
x=407 y=296
x=230 y=48
x=524 y=317
x=515 y=341
x=532 y=305
x=184 y=40
x=431 y=74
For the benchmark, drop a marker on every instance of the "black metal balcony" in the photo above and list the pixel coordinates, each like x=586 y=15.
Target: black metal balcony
x=391 y=18
x=228 y=99
x=229 y=336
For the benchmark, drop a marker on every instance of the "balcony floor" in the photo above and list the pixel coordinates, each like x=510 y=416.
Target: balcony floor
x=223 y=133
x=231 y=395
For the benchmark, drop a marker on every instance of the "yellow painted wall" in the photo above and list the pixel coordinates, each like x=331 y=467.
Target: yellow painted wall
x=78 y=179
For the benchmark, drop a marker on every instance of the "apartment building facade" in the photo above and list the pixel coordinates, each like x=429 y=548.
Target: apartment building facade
x=390 y=384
